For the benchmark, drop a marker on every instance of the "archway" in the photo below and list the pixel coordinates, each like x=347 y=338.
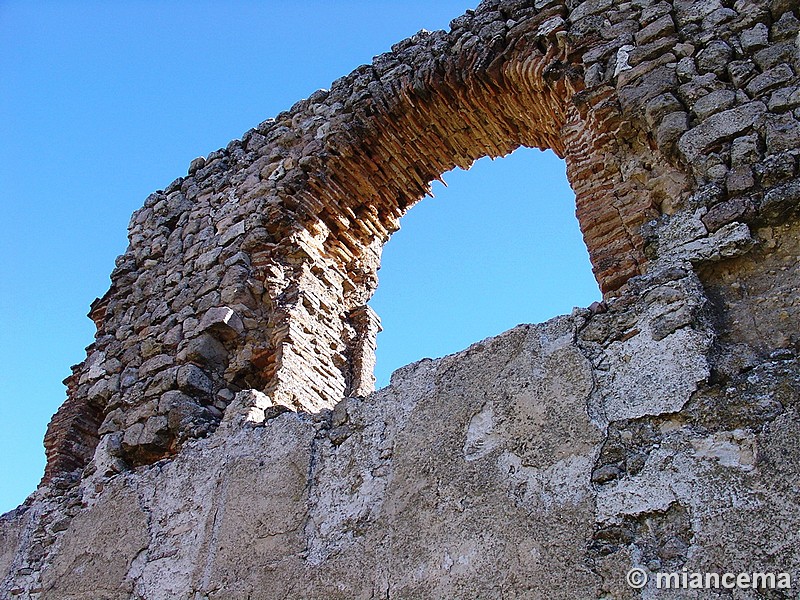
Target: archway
x=254 y=271
x=497 y=246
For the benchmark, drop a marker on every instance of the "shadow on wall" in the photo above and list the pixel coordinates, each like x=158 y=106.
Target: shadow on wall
x=497 y=246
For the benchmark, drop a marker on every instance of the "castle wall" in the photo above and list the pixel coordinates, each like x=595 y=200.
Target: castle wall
x=221 y=437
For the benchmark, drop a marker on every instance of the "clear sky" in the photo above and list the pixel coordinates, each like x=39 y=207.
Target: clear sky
x=102 y=103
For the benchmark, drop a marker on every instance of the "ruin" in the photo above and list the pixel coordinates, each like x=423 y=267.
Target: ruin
x=222 y=438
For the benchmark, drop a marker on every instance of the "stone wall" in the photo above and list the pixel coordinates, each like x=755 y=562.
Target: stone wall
x=657 y=428
x=543 y=463
x=254 y=270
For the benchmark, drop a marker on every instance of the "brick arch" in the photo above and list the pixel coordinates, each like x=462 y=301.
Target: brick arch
x=253 y=272
x=443 y=115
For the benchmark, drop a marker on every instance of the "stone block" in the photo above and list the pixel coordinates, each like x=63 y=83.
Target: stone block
x=714 y=58
x=205 y=350
x=754 y=38
x=714 y=102
x=669 y=131
x=725 y=212
x=782 y=133
x=769 y=80
x=658 y=29
x=720 y=127
x=222 y=321
x=193 y=380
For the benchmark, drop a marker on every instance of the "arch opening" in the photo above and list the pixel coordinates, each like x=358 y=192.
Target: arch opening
x=499 y=245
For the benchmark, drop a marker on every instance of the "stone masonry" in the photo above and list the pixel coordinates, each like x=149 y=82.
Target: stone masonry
x=221 y=439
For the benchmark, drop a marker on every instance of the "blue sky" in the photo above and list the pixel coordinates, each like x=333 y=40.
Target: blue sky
x=103 y=102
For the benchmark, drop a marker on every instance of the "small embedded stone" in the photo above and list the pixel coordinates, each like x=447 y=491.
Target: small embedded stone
x=754 y=38
x=155 y=364
x=782 y=133
x=671 y=128
x=741 y=71
x=192 y=380
x=60 y=525
x=659 y=28
x=786 y=28
x=670 y=322
x=719 y=127
x=692 y=12
x=739 y=180
x=605 y=474
x=659 y=106
x=197 y=164
x=775 y=54
x=784 y=99
x=744 y=150
x=222 y=321
x=205 y=349
x=769 y=80
x=155 y=431
x=714 y=58
x=775 y=168
x=715 y=102
x=686 y=69
x=338 y=435
x=231 y=233
x=781 y=202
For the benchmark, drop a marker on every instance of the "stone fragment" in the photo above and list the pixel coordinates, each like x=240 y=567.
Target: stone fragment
x=784 y=99
x=205 y=350
x=132 y=435
x=739 y=180
x=250 y=407
x=197 y=164
x=231 y=233
x=786 y=28
x=670 y=129
x=155 y=364
x=714 y=58
x=714 y=102
x=755 y=38
x=192 y=380
x=670 y=321
x=605 y=474
x=155 y=432
x=719 y=17
x=744 y=150
x=658 y=29
x=621 y=63
x=659 y=106
x=223 y=322
x=720 y=127
x=781 y=202
x=764 y=82
x=775 y=54
x=686 y=69
x=698 y=87
x=725 y=212
x=782 y=133
x=637 y=89
x=775 y=168
x=741 y=71
x=692 y=11
x=651 y=51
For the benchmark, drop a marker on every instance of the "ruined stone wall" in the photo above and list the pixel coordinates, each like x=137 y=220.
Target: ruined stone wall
x=634 y=433
x=254 y=270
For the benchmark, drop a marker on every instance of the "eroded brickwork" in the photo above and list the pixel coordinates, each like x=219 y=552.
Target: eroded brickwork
x=677 y=120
